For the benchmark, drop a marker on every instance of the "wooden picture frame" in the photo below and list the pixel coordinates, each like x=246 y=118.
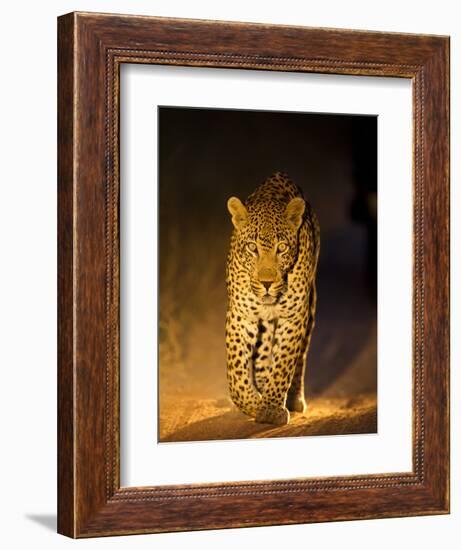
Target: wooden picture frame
x=91 y=48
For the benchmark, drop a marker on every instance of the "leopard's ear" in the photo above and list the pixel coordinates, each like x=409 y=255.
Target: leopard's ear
x=238 y=212
x=294 y=212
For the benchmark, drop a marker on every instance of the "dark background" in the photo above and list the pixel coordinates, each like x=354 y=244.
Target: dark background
x=207 y=155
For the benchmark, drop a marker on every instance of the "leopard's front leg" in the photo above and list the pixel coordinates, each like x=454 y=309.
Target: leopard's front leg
x=285 y=351
x=240 y=343
x=296 y=400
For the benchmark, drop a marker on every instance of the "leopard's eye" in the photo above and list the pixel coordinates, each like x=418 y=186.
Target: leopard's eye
x=282 y=247
x=251 y=246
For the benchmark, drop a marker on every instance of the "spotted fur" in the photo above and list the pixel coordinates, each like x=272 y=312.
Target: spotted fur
x=270 y=280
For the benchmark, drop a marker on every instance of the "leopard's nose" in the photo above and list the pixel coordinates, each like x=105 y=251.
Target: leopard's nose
x=267 y=284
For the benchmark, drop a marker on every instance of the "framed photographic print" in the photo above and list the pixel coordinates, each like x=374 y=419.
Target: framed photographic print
x=253 y=275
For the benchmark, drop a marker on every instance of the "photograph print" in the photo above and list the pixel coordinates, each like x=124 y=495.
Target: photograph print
x=267 y=274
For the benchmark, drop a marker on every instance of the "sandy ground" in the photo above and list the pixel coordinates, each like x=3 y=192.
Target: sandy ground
x=212 y=419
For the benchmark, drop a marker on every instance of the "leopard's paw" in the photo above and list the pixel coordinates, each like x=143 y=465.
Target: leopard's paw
x=271 y=414
x=296 y=403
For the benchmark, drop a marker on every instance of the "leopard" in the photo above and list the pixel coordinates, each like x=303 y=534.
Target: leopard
x=271 y=299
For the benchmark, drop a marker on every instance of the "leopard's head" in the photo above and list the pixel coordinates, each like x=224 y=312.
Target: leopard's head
x=266 y=243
